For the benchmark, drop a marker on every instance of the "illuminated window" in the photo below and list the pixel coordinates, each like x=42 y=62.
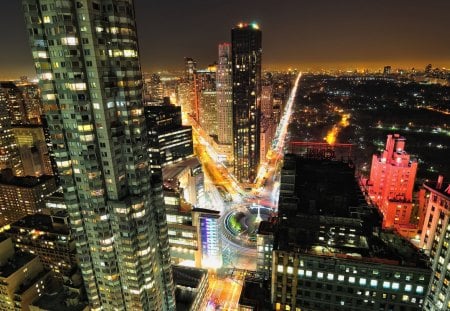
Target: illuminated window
x=301 y=272
x=69 y=41
x=320 y=275
x=129 y=53
x=341 y=277
x=308 y=273
x=362 y=281
x=280 y=268
x=290 y=270
x=351 y=279
x=373 y=283
x=395 y=285
x=386 y=284
x=408 y=287
x=330 y=276
x=419 y=289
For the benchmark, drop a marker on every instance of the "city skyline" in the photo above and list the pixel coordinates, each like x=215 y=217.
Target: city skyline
x=318 y=35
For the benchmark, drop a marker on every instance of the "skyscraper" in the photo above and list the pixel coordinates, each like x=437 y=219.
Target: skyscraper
x=86 y=58
x=224 y=88
x=246 y=72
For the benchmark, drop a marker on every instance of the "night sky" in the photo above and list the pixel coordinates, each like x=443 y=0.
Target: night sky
x=299 y=33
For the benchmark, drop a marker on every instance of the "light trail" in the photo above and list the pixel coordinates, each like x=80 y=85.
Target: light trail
x=276 y=151
x=280 y=136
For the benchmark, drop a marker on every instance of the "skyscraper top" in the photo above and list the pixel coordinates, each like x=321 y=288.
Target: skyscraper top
x=252 y=25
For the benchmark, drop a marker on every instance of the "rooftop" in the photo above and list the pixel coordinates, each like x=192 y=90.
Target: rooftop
x=171 y=172
x=41 y=222
x=7 y=178
x=14 y=263
x=255 y=293
x=60 y=300
x=187 y=282
x=323 y=212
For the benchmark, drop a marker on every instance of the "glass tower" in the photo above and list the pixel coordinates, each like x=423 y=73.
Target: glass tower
x=86 y=57
x=246 y=63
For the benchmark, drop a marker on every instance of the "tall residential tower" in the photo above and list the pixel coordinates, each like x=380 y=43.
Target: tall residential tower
x=246 y=73
x=86 y=57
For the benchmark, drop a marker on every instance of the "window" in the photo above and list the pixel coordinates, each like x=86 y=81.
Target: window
x=386 y=284
x=373 y=283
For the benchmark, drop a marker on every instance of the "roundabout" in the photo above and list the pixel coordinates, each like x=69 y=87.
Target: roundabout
x=240 y=224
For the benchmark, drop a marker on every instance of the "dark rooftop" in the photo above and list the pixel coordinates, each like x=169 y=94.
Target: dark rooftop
x=40 y=222
x=61 y=300
x=25 y=182
x=15 y=263
x=186 y=277
x=323 y=212
x=256 y=293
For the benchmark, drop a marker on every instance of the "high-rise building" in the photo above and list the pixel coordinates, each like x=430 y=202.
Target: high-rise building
x=191 y=90
x=32 y=100
x=9 y=153
x=208 y=112
x=329 y=251
x=224 y=88
x=246 y=72
x=86 y=58
x=170 y=140
x=435 y=240
x=30 y=140
x=15 y=104
x=391 y=182
x=21 y=196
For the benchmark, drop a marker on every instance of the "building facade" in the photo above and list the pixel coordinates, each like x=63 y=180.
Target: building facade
x=435 y=241
x=21 y=196
x=170 y=140
x=32 y=146
x=246 y=72
x=391 y=182
x=86 y=58
x=224 y=87
x=22 y=277
x=9 y=153
x=329 y=251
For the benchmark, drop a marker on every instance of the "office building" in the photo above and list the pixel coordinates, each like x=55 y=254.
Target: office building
x=208 y=112
x=246 y=72
x=191 y=285
x=189 y=89
x=9 y=153
x=21 y=196
x=224 y=88
x=391 y=182
x=22 y=277
x=329 y=251
x=207 y=223
x=170 y=140
x=86 y=58
x=49 y=238
x=264 y=246
x=435 y=241
x=32 y=146
x=182 y=185
x=32 y=101
x=11 y=97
